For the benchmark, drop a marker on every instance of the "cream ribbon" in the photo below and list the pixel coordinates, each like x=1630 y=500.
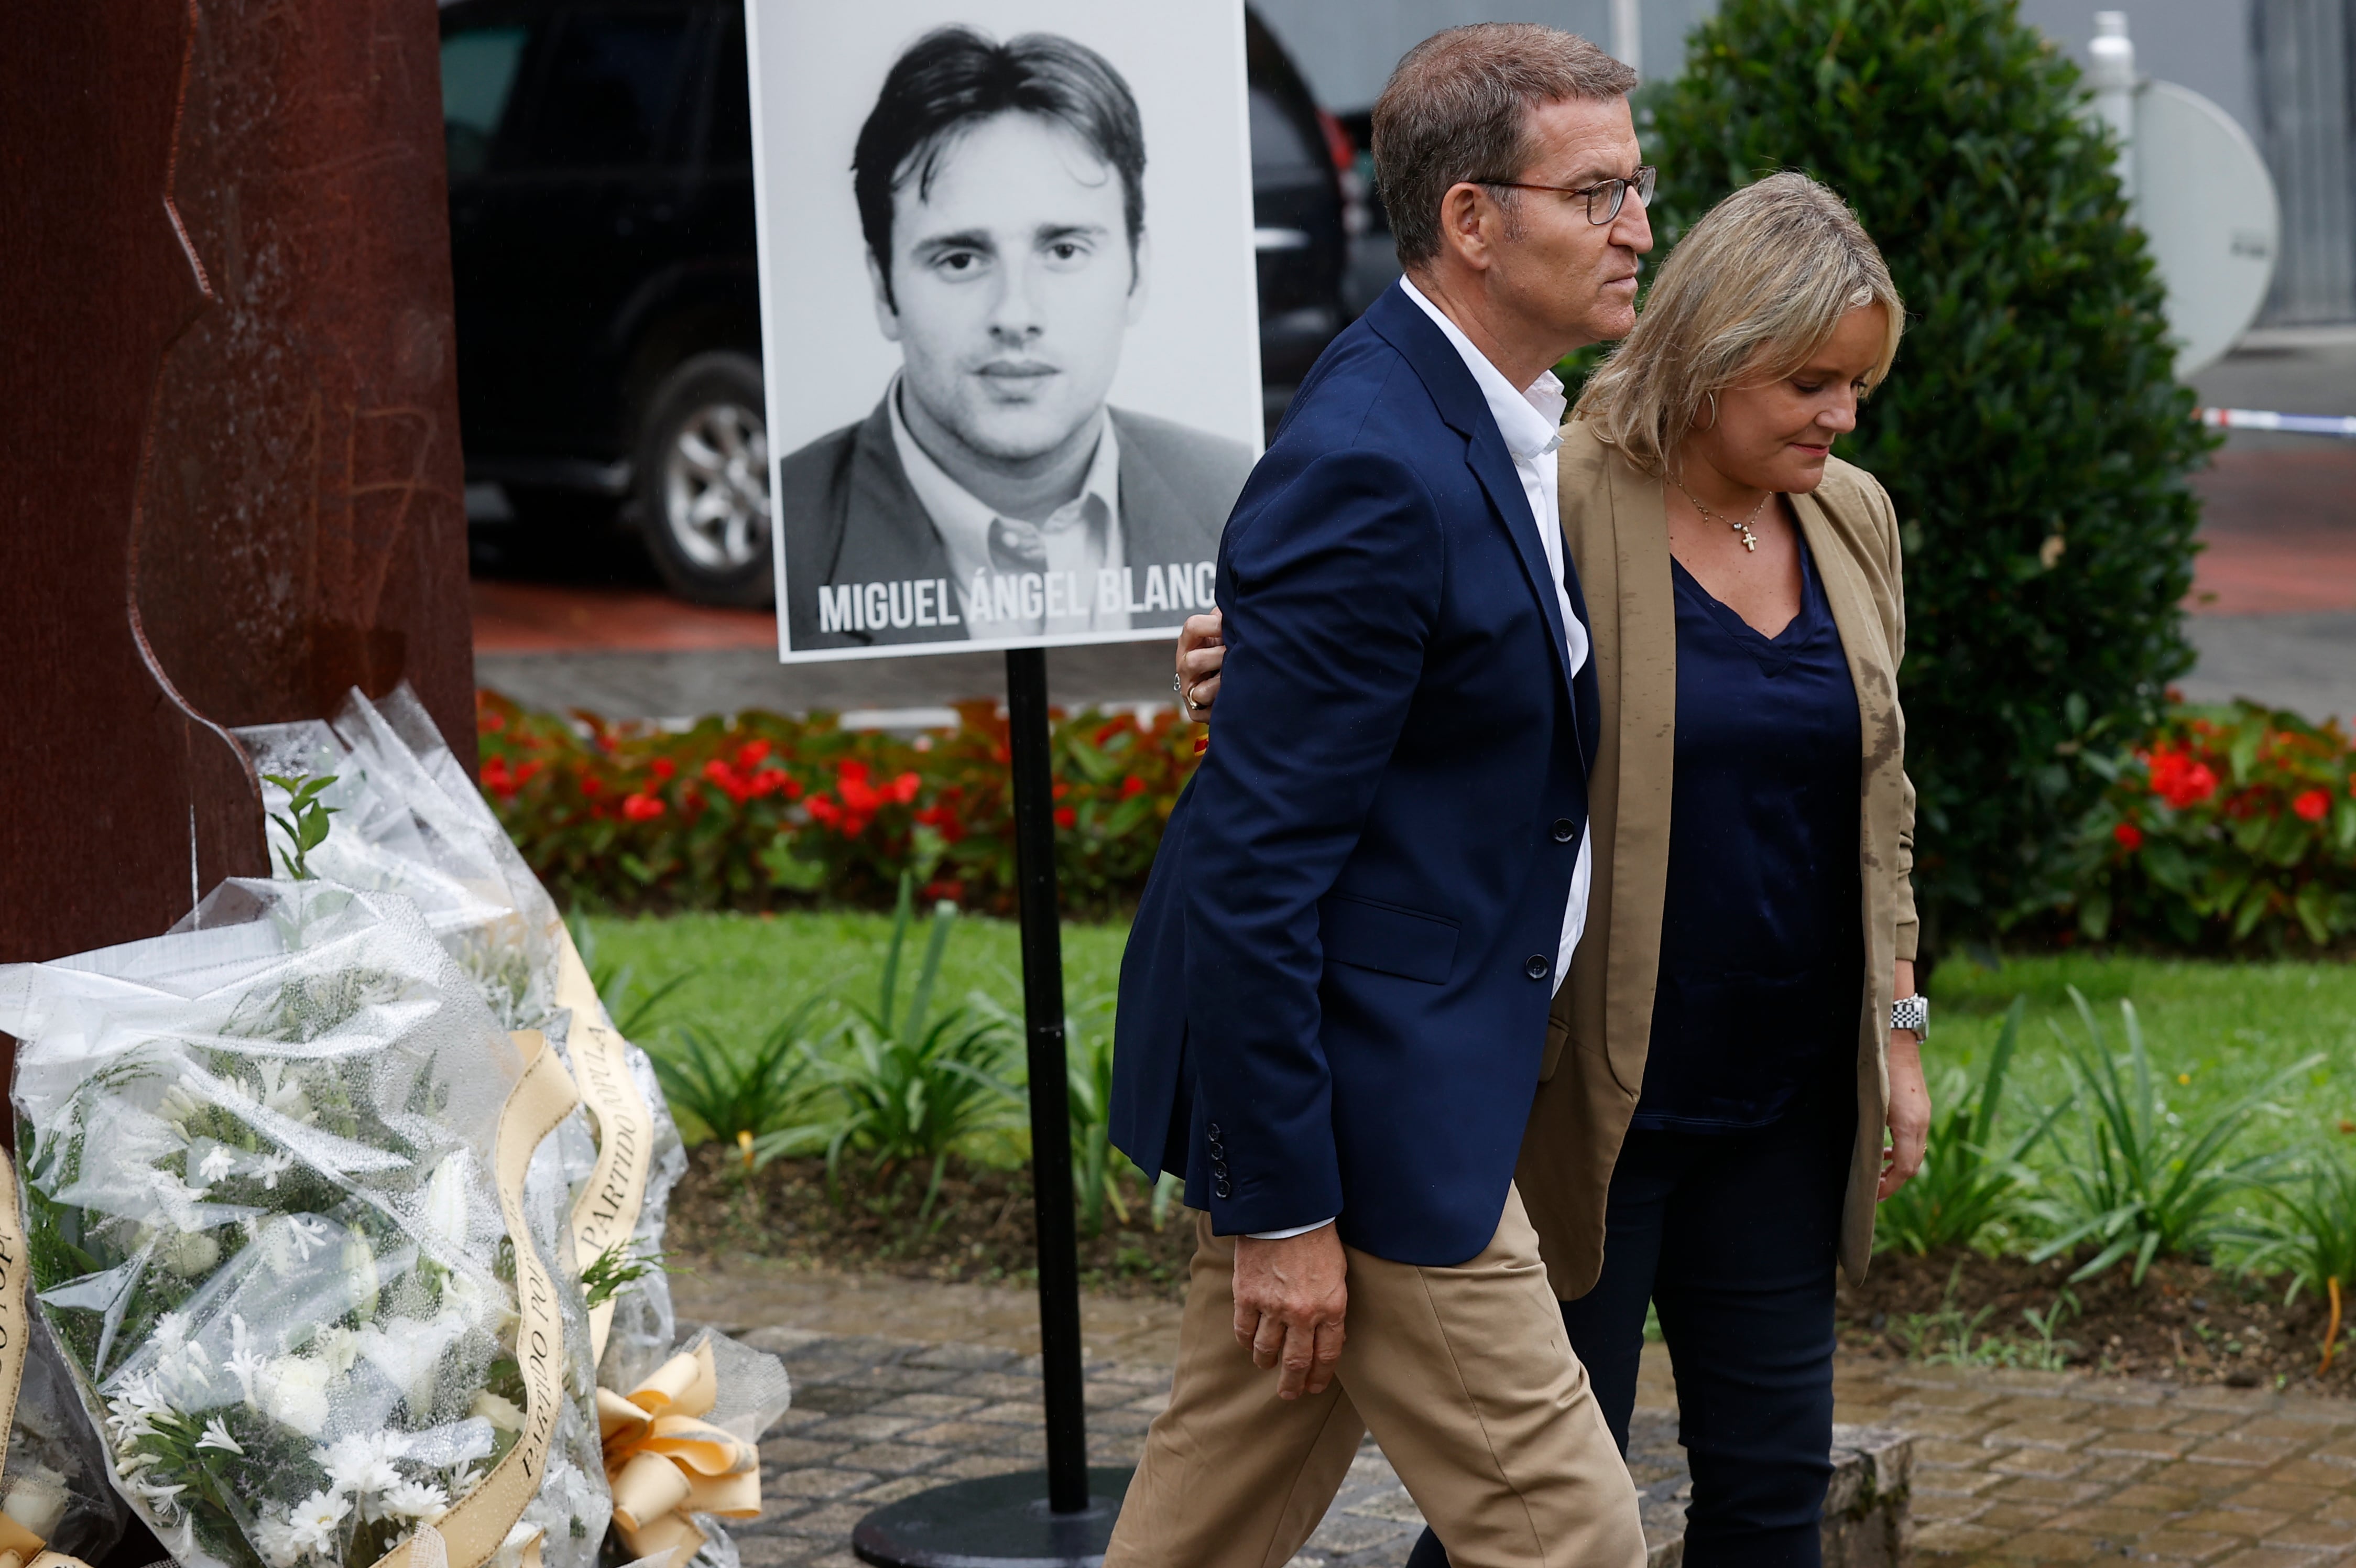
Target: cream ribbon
x=19 y=1547
x=472 y=1531
x=607 y=1212
x=665 y=1462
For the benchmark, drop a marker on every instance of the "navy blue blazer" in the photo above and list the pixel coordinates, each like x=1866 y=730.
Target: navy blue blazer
x=1334 y=999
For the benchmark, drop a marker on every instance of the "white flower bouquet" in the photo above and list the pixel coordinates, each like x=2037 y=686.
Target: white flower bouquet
x=275 y=1169
x=409 y=821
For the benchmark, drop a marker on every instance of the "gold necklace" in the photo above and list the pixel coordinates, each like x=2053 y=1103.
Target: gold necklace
x=1750 y=542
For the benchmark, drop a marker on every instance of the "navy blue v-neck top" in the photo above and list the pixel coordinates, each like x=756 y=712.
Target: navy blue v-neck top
x=1762 y=934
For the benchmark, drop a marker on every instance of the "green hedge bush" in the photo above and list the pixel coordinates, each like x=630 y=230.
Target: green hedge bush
x=2033 y=435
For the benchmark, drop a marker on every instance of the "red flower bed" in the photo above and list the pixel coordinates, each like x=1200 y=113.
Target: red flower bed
x=2231 y=827
x=768 y=810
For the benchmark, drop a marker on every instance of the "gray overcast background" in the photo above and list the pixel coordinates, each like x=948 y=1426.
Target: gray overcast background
x=1346 y=47
x=2286 y=70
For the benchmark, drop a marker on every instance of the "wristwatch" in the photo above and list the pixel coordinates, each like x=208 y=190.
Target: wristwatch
x=1912 y=1013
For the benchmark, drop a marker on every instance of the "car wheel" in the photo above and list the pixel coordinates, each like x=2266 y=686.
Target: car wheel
x=703 y=481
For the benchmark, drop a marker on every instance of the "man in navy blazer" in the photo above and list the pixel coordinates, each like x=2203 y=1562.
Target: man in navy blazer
x=1335 y=996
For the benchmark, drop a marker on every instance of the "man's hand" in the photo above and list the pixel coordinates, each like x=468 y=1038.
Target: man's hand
x=1289 y=1298
x=1200 y=654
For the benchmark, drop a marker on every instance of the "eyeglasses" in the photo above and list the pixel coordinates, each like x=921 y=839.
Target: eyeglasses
x=1604 y=197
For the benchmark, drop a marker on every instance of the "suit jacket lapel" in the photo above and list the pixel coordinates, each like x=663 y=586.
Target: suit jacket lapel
x=1495 y=467
x=1152 y=519
x=886 y=535
x=1457 y=395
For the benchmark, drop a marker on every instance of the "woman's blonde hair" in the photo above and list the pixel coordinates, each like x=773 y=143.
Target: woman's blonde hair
x=1750 y=293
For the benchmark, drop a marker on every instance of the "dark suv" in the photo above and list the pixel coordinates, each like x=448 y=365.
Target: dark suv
x=601 y=231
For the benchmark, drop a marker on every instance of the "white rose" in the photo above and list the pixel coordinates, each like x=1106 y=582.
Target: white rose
x=297 y=1393
x=501 y=1413
x=189 y=1254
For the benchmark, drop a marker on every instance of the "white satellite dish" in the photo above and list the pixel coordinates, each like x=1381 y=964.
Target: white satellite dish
x=2207 y=206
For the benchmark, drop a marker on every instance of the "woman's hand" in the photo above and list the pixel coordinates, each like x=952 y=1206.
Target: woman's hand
x=1200 y=654
x=1910 y=1101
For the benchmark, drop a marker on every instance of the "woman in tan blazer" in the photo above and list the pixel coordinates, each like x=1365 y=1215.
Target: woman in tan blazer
x=1721 y=1068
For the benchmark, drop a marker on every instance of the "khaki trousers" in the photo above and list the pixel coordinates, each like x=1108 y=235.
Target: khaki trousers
x=1465 y=1377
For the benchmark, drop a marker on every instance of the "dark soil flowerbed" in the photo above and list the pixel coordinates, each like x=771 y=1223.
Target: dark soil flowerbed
x=2187 y=1321
x=980 y=1227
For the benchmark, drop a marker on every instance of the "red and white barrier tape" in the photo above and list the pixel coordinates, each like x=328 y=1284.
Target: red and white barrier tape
x=2258 y=419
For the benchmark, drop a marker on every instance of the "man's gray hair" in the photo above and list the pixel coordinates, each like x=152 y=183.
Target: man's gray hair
x=1458 y=109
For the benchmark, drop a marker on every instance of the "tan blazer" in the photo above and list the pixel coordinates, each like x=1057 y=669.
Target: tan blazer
x=1618 y=530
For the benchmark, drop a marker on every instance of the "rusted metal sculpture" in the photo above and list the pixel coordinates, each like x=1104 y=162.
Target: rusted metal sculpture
x=230 y=485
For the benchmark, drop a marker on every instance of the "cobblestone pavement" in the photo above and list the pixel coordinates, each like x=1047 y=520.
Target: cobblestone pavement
x=2026 y=1467
x=876 y=1419
x=2009 y=1468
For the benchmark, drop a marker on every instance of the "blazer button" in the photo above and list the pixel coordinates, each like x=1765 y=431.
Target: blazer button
x=1215 y=1131
x=1223 y=1189
x=1565 y=829
x=1536 y=966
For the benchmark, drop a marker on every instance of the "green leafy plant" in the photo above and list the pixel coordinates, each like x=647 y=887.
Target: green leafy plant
x=2136 y=1179
x=1950 y=1338
x=1967 y=1182
x=2311 y=1235
x=616 y=1267
x=304 y=823
x=2033 y=435
x=742 y=1095
x=1099 y=1173
x=910 y=1086
x=2050 y=1354
x=2229 y=828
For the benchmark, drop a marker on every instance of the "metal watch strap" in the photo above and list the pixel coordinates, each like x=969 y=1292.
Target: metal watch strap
x=1912 y=1013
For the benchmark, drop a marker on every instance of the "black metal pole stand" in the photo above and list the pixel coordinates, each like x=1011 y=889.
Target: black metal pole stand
x=1051 y=1106
x=1064 y=1519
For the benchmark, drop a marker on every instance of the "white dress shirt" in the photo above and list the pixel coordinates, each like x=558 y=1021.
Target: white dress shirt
x=1529 y=419
x=1081 y=539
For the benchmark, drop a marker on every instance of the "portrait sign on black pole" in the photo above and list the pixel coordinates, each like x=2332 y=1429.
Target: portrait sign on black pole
x=1010 y=347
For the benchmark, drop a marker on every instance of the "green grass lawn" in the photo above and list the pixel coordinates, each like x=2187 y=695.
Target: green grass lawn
x=748 y=970
x=2214 y=1030
x=2223 y=1026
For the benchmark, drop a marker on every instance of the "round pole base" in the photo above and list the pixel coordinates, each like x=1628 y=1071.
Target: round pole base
x=993 y=1522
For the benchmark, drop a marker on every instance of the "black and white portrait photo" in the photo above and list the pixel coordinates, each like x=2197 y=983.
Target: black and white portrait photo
x=1009 y=317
